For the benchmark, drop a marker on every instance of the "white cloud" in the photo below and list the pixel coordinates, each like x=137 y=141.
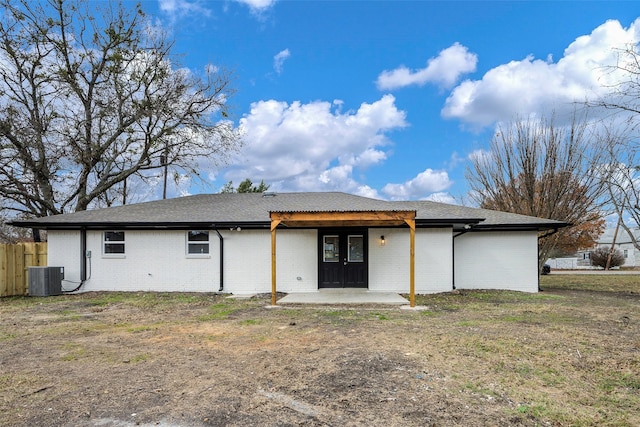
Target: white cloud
x=427 y=182
x=442 y=197
x=182 y=8
x=479 y=154
x=314 y=146
x=443 y=70
x=258 y=6
x=279 y=58
x=533 y=85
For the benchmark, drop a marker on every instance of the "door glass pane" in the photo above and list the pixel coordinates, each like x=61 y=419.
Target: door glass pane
x=331 y=246
x=356 y=248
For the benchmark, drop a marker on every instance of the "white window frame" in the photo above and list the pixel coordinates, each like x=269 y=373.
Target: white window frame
x=195 y=243
x=110 y=242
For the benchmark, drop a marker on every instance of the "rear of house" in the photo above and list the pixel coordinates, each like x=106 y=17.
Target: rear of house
x=297 y=242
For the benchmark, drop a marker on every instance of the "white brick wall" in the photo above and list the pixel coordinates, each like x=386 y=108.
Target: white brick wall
x=248 y=261
x=497 y=260
x=63 y=249
x=157 y=260
x=153 y=260
x=297 y=260
x=389 y=264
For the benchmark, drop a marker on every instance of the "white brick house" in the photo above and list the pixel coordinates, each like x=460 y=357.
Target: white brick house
x=293 y=242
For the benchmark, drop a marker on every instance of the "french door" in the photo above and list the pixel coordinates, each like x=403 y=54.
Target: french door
x=343 y=258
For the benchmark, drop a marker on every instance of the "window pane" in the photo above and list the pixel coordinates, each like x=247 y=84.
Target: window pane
x=197 y=242
x=198 y=248
x=331 y=249
x=356 y=248
x=113 y=242
x=198 y=236
x=114 y=236
x=114 y=248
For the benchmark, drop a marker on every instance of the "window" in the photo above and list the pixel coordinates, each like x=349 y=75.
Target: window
x=198 y=242
x=331 y=246
x=356 y=248
x=114 y=242
x=626 y=253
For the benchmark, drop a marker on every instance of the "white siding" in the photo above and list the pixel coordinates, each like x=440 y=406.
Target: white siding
x=497 y=260
x=633 y=255
x=389 y=264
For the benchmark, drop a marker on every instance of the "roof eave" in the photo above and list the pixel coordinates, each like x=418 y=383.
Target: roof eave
x=141 y=225
x=520 y=227
x=448 y=221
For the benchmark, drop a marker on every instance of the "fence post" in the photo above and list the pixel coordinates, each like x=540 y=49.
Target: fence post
x=4 y=274
x=19 y=273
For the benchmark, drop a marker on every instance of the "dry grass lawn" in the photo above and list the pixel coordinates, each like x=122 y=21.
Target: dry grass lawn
x=568 y=356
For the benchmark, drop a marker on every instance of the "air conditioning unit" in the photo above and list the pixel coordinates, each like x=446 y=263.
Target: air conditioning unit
x=45 y=281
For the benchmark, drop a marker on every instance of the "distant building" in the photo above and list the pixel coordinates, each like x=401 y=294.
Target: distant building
x=624 y=243
x=582 y=259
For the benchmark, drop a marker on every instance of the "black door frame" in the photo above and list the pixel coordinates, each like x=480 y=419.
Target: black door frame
x=343 y=273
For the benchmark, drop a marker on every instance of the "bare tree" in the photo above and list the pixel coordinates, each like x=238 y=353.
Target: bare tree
x=607 y=257
x=91 y=99
x=621 y=169
x=538 y=168
x=621 y=176
x=621 y=82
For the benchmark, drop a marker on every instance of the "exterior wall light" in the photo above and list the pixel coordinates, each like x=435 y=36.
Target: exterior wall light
x=382 y=241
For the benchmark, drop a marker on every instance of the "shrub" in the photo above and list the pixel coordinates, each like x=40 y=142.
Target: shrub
x=600 y=255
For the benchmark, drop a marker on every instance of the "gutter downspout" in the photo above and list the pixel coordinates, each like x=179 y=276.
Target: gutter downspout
x=467 y=228
x=83 y=263
x=83 y=255
x=221 y=258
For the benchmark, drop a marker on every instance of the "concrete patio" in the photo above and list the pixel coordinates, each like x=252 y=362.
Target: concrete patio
x=343 y=296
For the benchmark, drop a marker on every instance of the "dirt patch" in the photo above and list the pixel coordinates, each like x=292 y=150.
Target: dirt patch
x=475 y=358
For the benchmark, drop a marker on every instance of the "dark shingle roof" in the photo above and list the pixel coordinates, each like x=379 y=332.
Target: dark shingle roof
x=252 y=209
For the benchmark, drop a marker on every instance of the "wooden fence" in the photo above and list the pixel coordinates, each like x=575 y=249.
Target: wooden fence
x=15 y=261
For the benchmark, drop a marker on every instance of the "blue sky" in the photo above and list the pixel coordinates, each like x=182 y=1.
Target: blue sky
x=389 y=99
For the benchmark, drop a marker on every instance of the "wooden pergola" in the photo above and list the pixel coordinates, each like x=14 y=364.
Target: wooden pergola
x=346 y=219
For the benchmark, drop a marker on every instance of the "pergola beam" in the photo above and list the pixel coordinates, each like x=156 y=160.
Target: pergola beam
x=412 y=261
x=274 y=225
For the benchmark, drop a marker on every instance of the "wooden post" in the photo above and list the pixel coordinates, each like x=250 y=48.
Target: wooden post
x=274 y=225
x=412 y=261
x=20 y=284
x=4 y=273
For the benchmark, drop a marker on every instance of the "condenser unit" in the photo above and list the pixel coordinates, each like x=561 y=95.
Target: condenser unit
x=45 y=281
